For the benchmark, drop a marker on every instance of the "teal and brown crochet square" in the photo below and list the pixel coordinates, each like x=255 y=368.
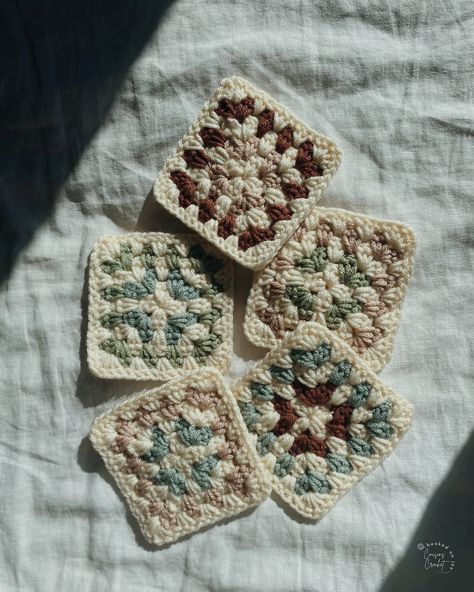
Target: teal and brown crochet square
x=181 y=456
x=319 y=418
x=159 y=305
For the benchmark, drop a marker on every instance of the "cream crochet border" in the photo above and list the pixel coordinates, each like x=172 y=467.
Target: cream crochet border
x=317 y=333
x=255 y=257
x=99 y=362
x=377 y=355
x=103 y=432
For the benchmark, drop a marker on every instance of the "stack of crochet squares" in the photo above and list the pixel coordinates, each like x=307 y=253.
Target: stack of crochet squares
x=310 y=419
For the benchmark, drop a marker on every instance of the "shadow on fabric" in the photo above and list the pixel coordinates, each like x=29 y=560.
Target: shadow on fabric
x=448 y=520
x=62 y=64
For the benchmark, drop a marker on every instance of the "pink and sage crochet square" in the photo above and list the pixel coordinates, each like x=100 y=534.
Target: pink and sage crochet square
x=319 y=418
x=247 y=173
x=159 y=305
x=346 y=271
x=181 y=457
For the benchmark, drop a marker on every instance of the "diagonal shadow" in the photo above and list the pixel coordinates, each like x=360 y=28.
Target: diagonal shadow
x=61 y=65
x=449 y=519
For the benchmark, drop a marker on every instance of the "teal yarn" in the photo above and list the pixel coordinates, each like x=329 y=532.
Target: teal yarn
x=378 y=425
x=261 y=391
x=118 y=348
x=311 y=359
x=176 y=324
x=285 y=375
x=338 y=464
x=250 y=414
x=173 y=479
x=203 y=262
x=312 y=482
x=134 y=318
x=340 y=373
x=160 y=448
x=201 y=471
x=178 y=288
x=360 y=447
x=316 y=262
x=359 y=395
x=192 y=435
x=265 y=443
x=132 y=290
x=283 y=465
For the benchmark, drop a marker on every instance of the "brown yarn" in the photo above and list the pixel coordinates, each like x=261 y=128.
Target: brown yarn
x=212 y=137
x=207 y=210
x=312 y=396
x=196 y=159
x=187 y=187
x=307 y=442
x=265 y=122
x=304 y=161
x=279 y=212
x=341 y=419
x=225 y=226
x=287 y=414
x=238 y=111
x=284 y=139
x=251 y=238
x=295 y=191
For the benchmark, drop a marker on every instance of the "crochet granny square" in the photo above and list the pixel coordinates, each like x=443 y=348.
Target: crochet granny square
x=345 y=271
x=319 y=418
x=247 y=173
x=159 y=305
x=181 y=457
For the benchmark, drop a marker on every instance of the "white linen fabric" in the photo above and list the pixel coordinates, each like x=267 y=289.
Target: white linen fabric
x=391 y=83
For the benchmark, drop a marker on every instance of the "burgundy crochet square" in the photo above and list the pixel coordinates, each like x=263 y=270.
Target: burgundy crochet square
x=247 y=173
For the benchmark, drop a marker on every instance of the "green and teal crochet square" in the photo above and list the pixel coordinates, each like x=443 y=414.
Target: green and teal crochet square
x=159 y=305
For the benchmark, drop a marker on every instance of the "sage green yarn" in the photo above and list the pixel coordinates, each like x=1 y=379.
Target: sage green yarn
x=316 y=262
x=118 y=348
x=123 y=262
x=204 y=262
x=339 y=311
x=134 y=318
x=204 y=347
x=349 y=273
x=303 y=299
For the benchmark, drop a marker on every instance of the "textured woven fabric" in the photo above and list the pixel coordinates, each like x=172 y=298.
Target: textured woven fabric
x=390 y=82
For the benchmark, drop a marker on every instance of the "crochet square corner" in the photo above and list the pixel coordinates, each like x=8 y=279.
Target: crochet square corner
x=345 y=271
x=181 y=457
x=159 y=305
x=247 y=173
x=319 y=418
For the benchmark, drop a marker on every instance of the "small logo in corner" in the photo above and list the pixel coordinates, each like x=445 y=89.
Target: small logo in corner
x=437 y=557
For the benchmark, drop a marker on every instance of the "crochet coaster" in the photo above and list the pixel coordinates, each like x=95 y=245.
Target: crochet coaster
x=181 y=457
x=247 y=173
x=159 y=305
x=319 y=418
x=345 y=271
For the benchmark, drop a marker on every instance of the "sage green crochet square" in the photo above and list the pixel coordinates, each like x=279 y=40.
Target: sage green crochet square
x=159 y=305
x=181 y=456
